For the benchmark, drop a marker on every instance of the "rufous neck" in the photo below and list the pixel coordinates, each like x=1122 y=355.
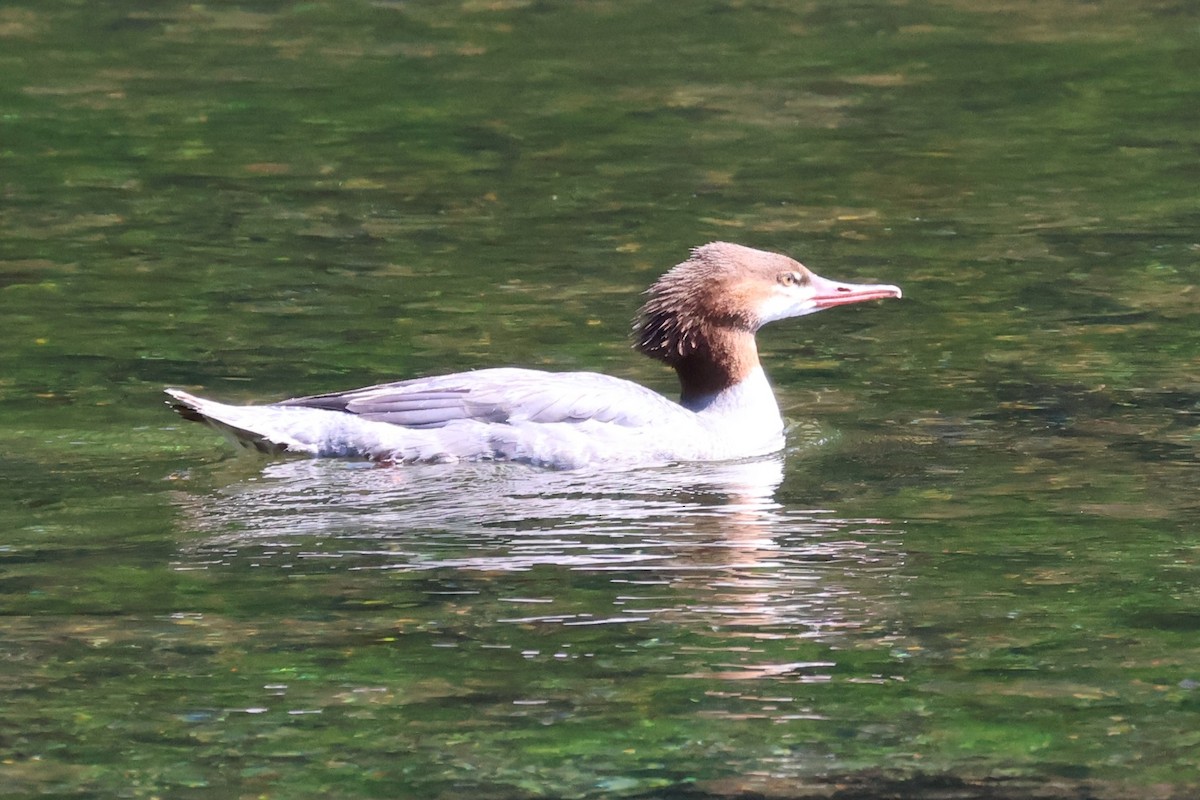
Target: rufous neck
x=722 y=359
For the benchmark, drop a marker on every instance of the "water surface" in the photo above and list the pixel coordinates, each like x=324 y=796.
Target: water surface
x=973 y=570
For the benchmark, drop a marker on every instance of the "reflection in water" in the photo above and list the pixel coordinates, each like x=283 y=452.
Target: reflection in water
x=705 y=543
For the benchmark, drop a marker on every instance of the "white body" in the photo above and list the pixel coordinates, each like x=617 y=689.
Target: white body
x=595 y=419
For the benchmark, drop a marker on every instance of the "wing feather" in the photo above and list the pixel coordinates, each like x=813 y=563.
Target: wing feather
x=503 y=395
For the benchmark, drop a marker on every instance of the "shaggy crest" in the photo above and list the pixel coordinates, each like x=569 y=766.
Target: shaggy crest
x=700 y=299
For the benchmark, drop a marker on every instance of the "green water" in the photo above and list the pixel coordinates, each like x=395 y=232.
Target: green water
x=973 y=571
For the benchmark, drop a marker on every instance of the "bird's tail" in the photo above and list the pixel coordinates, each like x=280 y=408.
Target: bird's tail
x=239 y=427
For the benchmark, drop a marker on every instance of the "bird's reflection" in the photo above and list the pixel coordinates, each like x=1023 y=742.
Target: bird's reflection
x=712 y=536
x=351 y=505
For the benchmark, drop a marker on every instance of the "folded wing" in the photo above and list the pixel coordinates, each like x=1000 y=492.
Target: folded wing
x=504 y=395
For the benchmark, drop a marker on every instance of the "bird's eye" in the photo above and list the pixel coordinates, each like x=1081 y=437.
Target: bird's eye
x=791 y=279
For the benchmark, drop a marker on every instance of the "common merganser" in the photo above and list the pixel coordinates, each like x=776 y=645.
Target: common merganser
x=700 y=318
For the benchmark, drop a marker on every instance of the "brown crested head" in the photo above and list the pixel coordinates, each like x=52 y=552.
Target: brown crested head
x=701 y=316
x=718 y=290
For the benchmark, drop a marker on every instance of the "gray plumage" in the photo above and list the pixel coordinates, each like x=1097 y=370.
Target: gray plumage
x=503 y=395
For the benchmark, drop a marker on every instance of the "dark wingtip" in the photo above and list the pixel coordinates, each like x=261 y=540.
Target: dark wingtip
x=180 y=406
x=187 y=412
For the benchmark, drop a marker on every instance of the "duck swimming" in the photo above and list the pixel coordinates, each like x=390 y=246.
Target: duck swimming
x=700 y=318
